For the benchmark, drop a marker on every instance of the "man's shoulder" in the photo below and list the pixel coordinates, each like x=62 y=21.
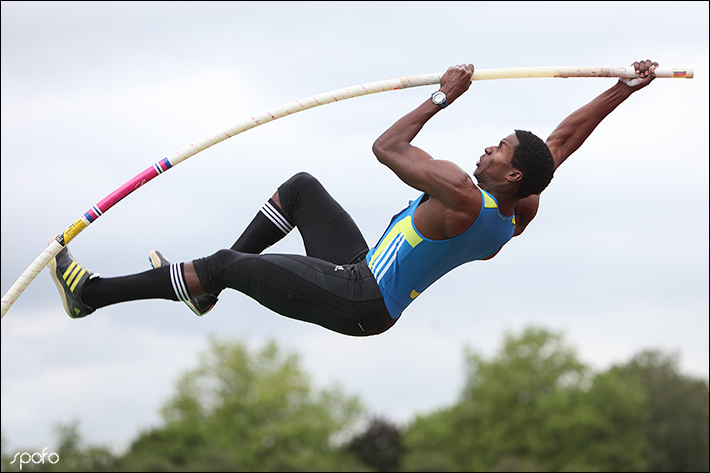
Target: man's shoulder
x=525 y=211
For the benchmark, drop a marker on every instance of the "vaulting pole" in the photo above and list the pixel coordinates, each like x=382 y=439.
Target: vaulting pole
x=296 y=106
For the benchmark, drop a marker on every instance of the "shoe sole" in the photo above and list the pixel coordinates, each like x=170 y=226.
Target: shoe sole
x=62 y=291
x=155 y=260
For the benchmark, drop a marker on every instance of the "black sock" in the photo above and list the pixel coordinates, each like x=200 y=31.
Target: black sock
x=268 y=226
x=165 y=282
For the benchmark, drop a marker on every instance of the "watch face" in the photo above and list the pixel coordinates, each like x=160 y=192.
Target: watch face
x=439 y=98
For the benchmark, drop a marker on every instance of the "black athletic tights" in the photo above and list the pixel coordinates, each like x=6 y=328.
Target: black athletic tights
x=331 y=286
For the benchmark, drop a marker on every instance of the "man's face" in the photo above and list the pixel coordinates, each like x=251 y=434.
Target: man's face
x=494 y=164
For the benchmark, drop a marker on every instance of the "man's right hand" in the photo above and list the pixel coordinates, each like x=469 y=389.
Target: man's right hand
x=645 y=70
x=456 y=80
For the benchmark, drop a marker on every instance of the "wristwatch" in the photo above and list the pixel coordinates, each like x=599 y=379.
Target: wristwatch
x=439 y=98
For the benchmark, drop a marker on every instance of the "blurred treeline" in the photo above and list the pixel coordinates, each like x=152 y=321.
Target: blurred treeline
x=532 y=407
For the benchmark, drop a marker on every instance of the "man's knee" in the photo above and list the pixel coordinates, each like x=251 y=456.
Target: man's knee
x=302 y=180
x=298 y=187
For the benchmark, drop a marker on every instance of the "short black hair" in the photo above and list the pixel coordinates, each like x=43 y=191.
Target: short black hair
x=534 y=159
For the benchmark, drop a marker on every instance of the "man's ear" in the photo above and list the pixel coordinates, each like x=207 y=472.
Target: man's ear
x=514 y=176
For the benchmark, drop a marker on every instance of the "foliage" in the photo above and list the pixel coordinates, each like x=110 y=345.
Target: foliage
x=676 y=420
x=248 y=412
x=532 y=407
x=379 y=446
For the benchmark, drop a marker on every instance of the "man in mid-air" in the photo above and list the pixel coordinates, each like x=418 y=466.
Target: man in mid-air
x=342 y=283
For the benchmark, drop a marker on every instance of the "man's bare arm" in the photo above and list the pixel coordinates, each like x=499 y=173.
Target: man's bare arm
x=438 y=178
x=576 y=128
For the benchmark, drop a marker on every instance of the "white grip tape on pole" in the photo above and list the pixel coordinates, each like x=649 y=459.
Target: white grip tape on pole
x=29 y=274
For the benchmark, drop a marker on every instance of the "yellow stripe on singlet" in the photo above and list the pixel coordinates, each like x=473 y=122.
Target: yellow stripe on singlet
x=406 y=228
x=490 y=203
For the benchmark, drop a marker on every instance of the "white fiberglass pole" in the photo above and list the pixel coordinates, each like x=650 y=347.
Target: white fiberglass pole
x=289 y=109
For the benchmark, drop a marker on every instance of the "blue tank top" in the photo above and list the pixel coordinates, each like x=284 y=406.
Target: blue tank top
x=405 y=263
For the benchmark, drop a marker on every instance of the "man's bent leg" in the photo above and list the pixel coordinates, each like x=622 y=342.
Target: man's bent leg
x=328 y=231
x=267 y=227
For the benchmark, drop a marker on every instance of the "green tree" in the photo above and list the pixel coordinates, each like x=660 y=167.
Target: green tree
x=243 y=411
x=379 y=446
x=676 y=417
x=596 y=427
x=534 y=406
x=431 y=443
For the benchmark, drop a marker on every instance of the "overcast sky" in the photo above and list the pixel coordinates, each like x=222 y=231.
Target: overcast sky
x=95 y=93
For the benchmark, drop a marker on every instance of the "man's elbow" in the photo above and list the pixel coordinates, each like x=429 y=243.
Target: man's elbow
x=381 y=149
x=377 y=149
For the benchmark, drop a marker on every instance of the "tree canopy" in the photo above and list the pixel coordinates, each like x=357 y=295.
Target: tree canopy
x=533 y=406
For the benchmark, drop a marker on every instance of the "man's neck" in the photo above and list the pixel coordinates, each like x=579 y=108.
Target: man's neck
x=506 y=201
